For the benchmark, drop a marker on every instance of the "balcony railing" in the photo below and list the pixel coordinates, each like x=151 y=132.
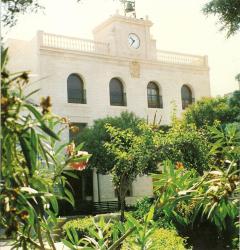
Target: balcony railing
x=47 y=40
x=182 y=59
x=81 y=99
x=155 y=102
x=187 y=102
x=72 y=43
x=118 y=99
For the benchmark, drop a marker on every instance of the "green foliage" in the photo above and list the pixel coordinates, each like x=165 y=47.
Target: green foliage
x=101 y=235
x=234 y=104
x=144 y=230
x=167 y=186
x=142 y=207
x=132 y=234
x=167 y=239
x=161 y=239
x=80 y=225
x=122 y=146
x=215 y=195
x=237 y=77
x=218 y=190
x=134 y=154
x=184 y=144
x=226 y=143
x=96 y=136
x=11 y=8
x=228 y=12
x=98 y=236
x=33 y=161
x=208 y=110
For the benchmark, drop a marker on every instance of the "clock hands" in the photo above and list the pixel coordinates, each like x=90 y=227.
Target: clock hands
x=133 y=41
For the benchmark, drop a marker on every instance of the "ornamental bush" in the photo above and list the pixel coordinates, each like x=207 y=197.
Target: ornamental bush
x=81 y=225
x=208 y=110
x=185 y=145
x=162 y=239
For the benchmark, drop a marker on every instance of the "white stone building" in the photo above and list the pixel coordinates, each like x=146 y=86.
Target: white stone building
x=121 y=69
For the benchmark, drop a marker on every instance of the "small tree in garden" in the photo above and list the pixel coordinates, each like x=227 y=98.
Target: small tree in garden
x=208 y=110
x=95 y=136
x=185 y=144
x=33 y=161
x=134 y=155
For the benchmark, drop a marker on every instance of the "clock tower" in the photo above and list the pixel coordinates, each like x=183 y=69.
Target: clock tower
x=127 y=37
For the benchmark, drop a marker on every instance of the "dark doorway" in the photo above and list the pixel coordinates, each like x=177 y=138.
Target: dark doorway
x=82 y=190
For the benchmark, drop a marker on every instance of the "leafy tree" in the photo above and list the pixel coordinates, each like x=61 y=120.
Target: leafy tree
x=96 y=136
x=234 y=104
x=11 y=8
x=208 y=110
x=228 y=12
x=237 y=77
x=134 y=155
x=184 y=145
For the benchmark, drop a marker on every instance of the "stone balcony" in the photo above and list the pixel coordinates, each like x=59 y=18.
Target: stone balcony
x=52 y=41
x=47 y=40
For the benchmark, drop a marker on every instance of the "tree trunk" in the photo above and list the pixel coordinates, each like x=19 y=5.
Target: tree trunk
x=122 y=191
x=122 y=207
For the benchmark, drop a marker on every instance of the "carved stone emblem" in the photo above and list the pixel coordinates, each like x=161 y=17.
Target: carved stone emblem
x=134 y=68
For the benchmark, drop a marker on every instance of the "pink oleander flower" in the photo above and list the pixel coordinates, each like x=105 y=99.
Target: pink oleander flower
x=78 y=165
x=82 y=164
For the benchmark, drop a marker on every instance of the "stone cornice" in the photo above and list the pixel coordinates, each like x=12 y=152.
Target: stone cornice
x=116 y=59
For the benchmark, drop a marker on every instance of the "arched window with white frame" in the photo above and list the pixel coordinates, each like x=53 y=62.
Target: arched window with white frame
x=153 y=96
x=117 y=95
x=186 y=95
x=75 y=89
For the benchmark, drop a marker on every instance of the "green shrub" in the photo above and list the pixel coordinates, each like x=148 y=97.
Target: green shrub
x=186 y=145
x=207 y=110
x=162 y=239
x=81 y=225
x=142 y=207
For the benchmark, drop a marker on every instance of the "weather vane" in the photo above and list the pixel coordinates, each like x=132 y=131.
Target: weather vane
x=129 y=7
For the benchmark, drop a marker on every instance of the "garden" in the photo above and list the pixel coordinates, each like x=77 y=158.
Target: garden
x=194 y=164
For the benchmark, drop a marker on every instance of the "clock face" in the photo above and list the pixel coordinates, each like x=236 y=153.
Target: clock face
x=133 y=41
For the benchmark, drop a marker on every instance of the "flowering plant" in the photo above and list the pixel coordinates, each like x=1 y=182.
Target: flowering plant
x=33 y=163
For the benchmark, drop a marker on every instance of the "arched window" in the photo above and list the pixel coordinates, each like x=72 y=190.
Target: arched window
x=154 y=99
x=117 y=95
x=75 y=89
x=186 y=94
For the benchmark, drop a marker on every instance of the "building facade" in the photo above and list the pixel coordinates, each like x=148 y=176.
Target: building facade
x=120 y=70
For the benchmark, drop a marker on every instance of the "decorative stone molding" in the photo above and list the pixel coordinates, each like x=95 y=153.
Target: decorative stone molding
x=134 y=68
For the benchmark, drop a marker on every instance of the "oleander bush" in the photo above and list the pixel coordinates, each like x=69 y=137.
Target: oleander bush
x=33 y=163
